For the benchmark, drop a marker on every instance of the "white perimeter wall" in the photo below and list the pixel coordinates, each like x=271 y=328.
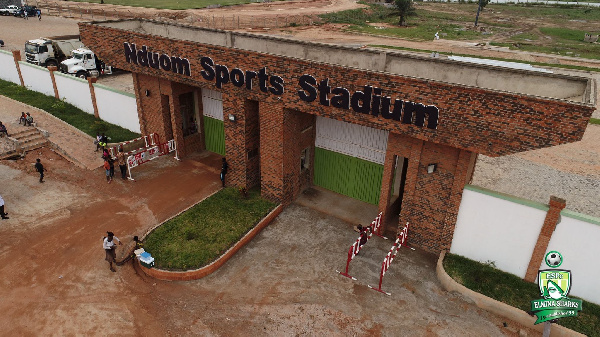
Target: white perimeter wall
x=37 y=78
x=489 y=228
x=351 y=139
x=492 y=226
x=75 y=91
x=8 y=70
x=117 y=108
x=578 y=240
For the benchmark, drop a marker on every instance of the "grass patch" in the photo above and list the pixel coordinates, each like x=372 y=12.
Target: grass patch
x=65 y=111
x=595 y=121
x=169 y=4
x=512 y=290
x=204 y=232
x=564 y=66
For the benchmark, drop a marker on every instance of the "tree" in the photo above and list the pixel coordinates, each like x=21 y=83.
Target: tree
x=482 y=3
x=405 y=8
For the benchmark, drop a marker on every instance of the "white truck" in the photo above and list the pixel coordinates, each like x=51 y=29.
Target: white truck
x=9 y=10
x=84 y=64
x=51 y=51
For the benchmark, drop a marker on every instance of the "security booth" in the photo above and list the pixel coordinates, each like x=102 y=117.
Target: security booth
x=397 y=130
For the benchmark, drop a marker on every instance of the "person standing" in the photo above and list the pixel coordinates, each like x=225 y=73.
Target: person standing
x=110 y=248
x=107 y=169
x=111 y=165
x=224 y=168
x=122 y=164
x=39 y=14
x=97 y=142
x=4 y=215
x=25 y=13
x=40 y=168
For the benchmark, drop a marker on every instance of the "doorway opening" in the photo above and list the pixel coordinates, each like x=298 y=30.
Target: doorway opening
x=398 y=183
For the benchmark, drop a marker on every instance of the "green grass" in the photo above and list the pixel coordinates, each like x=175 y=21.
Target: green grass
x=204 y=232
x=512 y=290
x=169 y=4
x=66 y=112
x=565 y=66
x=421 y=26
x=595 y=121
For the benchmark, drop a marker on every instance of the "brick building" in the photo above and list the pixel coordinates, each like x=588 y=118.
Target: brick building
x=393 y=129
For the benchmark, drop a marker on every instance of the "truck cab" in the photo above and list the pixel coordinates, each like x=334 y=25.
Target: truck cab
x=84 y=64
x=50 y=51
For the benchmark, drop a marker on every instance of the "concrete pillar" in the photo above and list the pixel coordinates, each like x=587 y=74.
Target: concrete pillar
x=52 y=69
x=17 y=58
x=91 y=81
x=552 y=217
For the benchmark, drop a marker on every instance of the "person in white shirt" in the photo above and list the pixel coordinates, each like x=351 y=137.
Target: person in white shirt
x=4 y=215
x=109 y=247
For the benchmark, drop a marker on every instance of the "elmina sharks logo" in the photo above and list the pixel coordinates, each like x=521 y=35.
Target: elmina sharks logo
x=554 y=285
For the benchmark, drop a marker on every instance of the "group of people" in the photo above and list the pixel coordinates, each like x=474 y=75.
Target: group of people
x=26 y=119
x=109 y=162
x=110 y=247
x=38 y=13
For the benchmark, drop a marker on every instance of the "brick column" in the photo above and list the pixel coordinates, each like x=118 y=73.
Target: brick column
x=52 y=69
x=556 y=205
x=462 y=174
x=235 y=139
x=91 y=81
x=271 y=150
x=17 y=58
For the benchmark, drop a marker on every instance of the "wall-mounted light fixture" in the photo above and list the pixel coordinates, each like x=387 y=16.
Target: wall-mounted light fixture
x=147 y=92
x=231 y=117
x=431 y=168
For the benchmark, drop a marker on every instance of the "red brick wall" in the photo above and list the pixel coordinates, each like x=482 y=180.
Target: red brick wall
x=471 y=121
x=431 y=200
x=477 y=120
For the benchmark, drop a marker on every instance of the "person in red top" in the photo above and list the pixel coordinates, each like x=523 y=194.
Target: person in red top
x=107 y=169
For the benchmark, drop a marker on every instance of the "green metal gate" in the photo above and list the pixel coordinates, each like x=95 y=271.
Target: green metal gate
x=347 y=175
x=214 y=135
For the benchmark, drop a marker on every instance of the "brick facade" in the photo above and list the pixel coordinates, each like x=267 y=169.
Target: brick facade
x=271 y=129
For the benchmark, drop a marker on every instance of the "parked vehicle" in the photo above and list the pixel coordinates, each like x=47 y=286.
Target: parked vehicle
x=51 y=51
x=9 y=10
x=31 y=11
x=84 y=64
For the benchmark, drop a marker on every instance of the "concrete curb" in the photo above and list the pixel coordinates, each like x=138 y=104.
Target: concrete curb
x=207 y=270
x=497 y=307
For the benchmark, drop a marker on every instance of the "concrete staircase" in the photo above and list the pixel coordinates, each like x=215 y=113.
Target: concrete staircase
x=23 y=141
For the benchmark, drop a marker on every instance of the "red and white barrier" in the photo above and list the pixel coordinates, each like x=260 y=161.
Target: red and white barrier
x=149 y=154
x=391 y=255
x=354 y=249
x=149 y=140
x=376 y=225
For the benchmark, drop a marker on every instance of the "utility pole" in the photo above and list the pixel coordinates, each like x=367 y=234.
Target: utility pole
x=478 y=10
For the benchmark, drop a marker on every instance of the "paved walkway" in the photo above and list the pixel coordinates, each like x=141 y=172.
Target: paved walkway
x=72 y=143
